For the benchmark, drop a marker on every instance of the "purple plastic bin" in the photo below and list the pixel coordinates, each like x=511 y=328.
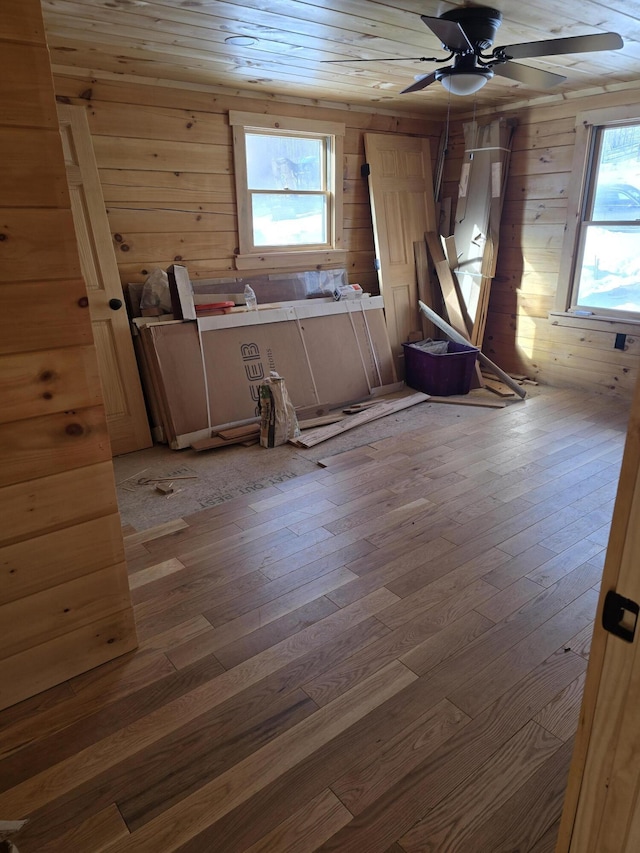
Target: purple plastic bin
x=440 y=375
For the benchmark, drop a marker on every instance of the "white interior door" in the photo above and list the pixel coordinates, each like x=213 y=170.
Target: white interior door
x=122 y=391
x=402 y=207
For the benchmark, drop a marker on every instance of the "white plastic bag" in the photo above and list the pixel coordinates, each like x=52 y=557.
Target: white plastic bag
x=278 y=421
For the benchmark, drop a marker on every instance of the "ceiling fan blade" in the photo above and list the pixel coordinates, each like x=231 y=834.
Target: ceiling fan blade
x=385 y=59
x=420 y=84
x=533 y=77
x=450 y=33
x=572 y=44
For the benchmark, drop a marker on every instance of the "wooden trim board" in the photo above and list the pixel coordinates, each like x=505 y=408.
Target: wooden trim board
x=380 y=410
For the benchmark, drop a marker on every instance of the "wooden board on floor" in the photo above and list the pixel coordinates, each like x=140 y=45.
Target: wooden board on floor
x=380 y=410
x=460 y=400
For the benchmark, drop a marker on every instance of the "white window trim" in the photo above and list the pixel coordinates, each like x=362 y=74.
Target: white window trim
x=274 y=259
x=586 y=123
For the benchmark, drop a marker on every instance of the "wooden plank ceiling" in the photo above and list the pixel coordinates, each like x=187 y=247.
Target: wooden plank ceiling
x=187 y=41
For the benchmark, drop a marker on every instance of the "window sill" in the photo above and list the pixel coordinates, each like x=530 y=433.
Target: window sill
x=278 y=260
x=563 y=318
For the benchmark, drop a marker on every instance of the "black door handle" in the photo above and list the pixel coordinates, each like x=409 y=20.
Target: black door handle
x=115 y=304
x=620 y=616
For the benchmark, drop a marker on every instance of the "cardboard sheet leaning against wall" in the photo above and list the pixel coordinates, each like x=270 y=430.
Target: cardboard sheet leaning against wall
x=328 y=353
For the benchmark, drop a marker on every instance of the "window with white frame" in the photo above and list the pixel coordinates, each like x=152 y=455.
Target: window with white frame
x=606 y=274
x=289 y=190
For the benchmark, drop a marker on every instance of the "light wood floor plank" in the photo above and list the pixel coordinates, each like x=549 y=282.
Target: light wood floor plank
x=524 y=656
x=38 y=790
x=359 y=788
x=97 y=833
x=446 y=643
x=552 y=570
x=286 y=626
x=581 y=643
x=547 y=844
x=511 y=598
x=330 y=685
x=448 y=825
x=396 y=812
x=153 y=573
x=530 y=813
x=387 y=573
x=307 y=829
x=211 y=802
x=152 y=533
x=207 y=642
x=405 y=633
x=518 y=567
x=560 y=716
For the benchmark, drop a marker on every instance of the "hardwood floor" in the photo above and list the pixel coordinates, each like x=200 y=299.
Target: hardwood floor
x=387 y=654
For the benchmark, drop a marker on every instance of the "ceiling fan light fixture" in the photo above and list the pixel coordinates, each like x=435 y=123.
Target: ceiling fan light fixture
x=465 y=82
x=241 y=41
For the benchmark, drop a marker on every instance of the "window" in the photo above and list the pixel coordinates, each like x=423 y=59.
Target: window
x=604 y=279
x=289 y=190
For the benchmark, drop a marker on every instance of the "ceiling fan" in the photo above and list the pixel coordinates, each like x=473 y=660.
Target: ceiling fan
x=468 y=32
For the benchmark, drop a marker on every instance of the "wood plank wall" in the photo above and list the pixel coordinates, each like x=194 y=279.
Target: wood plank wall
x=64 y=597
x=520 y=336
x=166 y=166
x=167 y=175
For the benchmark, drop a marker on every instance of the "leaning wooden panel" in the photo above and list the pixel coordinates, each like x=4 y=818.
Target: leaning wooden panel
x=36 y=564
x=401 y=196
x=30 y=320
x=37 y=447
x=61 y=500
x=42 y=383
x=123 y=401
x=45 y=665
x=60 y=609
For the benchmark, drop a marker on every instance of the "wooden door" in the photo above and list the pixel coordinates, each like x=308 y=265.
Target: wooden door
x=602 y=805
x=402 y=207
x=126 y=415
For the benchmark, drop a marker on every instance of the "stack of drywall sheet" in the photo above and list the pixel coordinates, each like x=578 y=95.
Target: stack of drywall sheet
x=203 y=375
x=173 y=377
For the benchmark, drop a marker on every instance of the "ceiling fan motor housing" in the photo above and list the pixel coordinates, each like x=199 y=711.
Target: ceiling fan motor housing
x=479 y=23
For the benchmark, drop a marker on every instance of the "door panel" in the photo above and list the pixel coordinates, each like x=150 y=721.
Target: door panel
x=124 y=403
x=602 y=805
x=401 y=192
